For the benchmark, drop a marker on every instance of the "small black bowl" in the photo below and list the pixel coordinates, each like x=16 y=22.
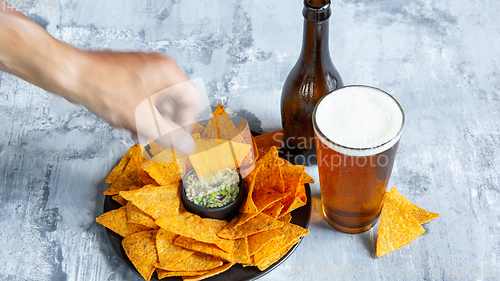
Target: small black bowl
x=222 y=213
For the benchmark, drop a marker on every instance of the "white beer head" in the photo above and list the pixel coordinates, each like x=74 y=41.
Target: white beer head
x=358 y=120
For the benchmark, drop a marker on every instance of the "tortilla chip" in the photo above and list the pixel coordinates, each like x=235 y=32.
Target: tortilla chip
x=240 y=151
x=210 y=273
x=183 y=164
x=129 y=176
x=292 y=233
x=240 y=251
x=207 y=248
x=116 y=220
x=119 y=199
x=259 y=223
x=118 y=169
x=421 y=215
x=266 y=141
x=397 y=226
x=164 y=173
x=195 y=262
x=301 y=193
x=210 y=157
x=210 y=131
x=244 y=217
x=197 y=129
x=270 y=173
x=194 y=227
x=248 y=205
x=273 y=210
x=155 y=148
x=141 y=250
x=135 y=215
x=291 y=178
x=248 y=138
x=263 y=265
x=165 y=273
x=306 y=178
x=168 y=252
x=227 y=129
x=286 y=218
x=263 y=198
x=258 y=240
x=156 y=201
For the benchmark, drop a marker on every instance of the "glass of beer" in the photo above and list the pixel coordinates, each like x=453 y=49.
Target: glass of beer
x=357 y=131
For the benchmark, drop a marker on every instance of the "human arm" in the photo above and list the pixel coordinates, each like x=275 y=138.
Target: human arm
x=109 y=84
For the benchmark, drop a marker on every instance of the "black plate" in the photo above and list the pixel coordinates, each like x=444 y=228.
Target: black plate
x=237 y=272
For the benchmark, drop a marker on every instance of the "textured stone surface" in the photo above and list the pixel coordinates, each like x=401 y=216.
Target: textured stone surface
x=439 y=58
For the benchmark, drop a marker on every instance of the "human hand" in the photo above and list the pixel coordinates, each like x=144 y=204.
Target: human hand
x=145 y=93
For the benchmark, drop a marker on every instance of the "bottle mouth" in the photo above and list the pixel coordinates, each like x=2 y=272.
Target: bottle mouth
x=316 y=10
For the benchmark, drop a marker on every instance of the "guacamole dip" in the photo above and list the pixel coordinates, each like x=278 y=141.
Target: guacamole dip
x=221 y=189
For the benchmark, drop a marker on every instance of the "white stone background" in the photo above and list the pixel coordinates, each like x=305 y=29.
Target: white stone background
x=439 y=58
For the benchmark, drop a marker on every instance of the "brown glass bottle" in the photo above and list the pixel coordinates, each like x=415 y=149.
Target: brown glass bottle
x=312 y=77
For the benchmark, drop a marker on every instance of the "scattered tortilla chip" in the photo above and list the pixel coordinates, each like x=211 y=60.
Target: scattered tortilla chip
x=135 y=215
x=156 y=201
x=183 y=164
x=129 y=176
x=397 y=226
x=291 y=178
x=155 y=148
x=210 y=273
x=306 y=178
x=207 y=248
x=273 y=210
x=197 y=129
x=165 y=155
x=297 y=203
x=263 y=198
x=168 y=252
x=263 y=265
x=227 y=130
x=119 y=199
x=421 y=215
x=210 y=131
x=145 y=179
x=259 y=223
x=116 y=220
x=266 y=141
x=121 y=165
x=248 y=205
x=292 y=233
x=164 y=173
x=194 y=227
x=244 y=217
x=270 y=173
x=141 y=250
x=195 y=262
x=210 y=157
x=286 y=218
x=165 y=273
x=301 y=193
x=258 y=240
x=240 y=252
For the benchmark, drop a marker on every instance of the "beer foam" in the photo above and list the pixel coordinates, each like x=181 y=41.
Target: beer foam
x=359 y=120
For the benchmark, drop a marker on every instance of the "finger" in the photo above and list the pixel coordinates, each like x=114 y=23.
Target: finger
x=183 y=103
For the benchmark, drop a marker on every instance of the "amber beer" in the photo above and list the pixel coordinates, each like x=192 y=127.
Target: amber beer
x=312 y=77
x=357 y=131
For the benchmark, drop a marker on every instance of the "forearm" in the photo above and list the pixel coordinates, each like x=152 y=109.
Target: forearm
x=29 y=52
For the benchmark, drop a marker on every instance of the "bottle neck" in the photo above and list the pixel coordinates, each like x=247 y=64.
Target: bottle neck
x=315 y=40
